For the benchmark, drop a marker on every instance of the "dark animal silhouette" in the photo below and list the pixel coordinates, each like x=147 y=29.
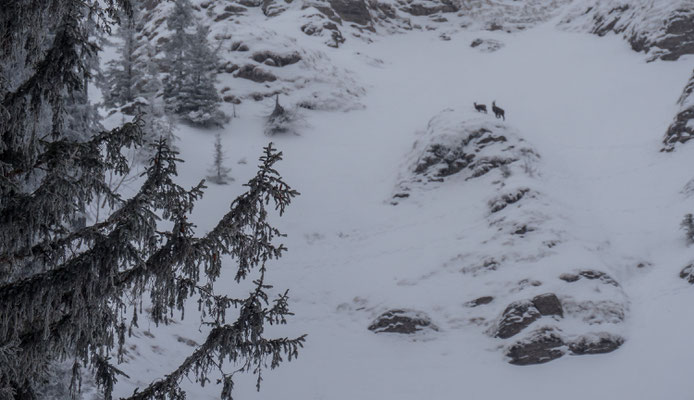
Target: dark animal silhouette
x=498 y=112
x=481 y=108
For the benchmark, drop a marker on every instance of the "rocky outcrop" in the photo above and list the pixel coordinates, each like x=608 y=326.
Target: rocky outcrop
x=687 y=273
x=590 y=275
x=355 y=11
x=471 y=148
x=428 y=7
x=519 y=315
x=595 y=343
x=499 y=203
x=682 y=128
x=543 y=345
x=547 y=344
x=402 y=321
x=662 y=28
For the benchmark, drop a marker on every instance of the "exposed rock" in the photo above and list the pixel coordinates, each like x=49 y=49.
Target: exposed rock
x=277 y=60
x=487 y=45
x=239 y=46
x=250 y=3
x=543 y=345
x=319 y=28
x=272 y=8
x=231 y=99
x=254 y=73
x=501 y=202
x=402 y=321
x=523 y=229
x=596 y=343
x=480 y=301
x=228 y=67
x=489 y=264
x=451 y=160
x=516 y=317
x=548 y=304
x=428 y=7
x=687 y=273
x=665 y=32
x=352 y=11
x=682 y=128
x=591 y=275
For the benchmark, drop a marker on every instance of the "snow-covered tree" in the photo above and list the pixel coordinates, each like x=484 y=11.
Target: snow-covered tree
x=189 y=89
x=124 y=73
x=281 y=120
x=71 y=295
x=219 y=173
x=688 y=226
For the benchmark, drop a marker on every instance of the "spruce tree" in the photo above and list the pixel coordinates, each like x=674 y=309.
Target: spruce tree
x=70 y=295
x=189 y=89
x=125 y=73
x=219 y=174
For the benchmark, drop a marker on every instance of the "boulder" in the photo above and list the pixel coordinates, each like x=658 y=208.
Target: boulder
x=402 y=321
x=595 y=343
x=548 y=304
x=480 y=301
x=254 y=73
x=517 y=316
x=543 y=345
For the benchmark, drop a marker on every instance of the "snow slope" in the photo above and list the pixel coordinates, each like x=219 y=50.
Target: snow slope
x=590 y=107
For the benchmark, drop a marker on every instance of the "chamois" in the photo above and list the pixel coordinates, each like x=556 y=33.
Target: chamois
x=481 y=108
x=498 y=112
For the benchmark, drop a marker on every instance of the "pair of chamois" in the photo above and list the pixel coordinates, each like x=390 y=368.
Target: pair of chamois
x=498 y=111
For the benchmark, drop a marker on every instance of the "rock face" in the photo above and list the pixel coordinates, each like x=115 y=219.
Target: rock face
x=682 y=128
x=402 y=321
x=472 y=148
x=597 y=343
x=543 y=345
x=354 y=11
x=428 y=7
x=687 y=273
x=663 y=28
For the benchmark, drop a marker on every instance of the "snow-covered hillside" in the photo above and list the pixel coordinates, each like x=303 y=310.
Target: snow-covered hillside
x=435 y=249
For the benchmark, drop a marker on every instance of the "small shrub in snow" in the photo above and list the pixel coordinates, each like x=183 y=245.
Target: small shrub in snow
x=688 y=226
x=281 y=120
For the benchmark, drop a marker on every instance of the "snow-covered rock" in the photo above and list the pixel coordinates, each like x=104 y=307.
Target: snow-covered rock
x=661 y=28
x=682 y=128
x=402 y=321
